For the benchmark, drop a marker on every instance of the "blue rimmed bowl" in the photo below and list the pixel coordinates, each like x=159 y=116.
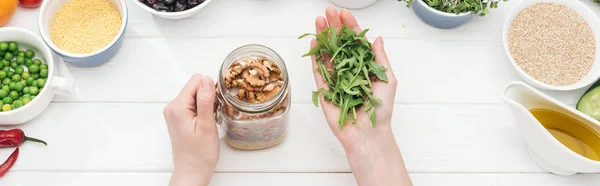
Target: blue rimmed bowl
x=99 y=57
x=438 y=18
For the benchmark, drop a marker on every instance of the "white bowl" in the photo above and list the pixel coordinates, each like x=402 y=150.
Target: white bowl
x=48 y=11
x=354 y=4
x=173 y=15
x=54 y=84
x=590 y=17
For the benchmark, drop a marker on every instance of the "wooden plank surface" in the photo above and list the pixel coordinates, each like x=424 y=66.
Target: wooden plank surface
x=290 y=179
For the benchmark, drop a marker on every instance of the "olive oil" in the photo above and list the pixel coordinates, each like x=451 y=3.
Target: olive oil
x=573 y=134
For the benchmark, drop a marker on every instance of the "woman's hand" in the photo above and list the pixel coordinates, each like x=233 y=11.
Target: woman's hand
x=372 y=152
x=193 y=132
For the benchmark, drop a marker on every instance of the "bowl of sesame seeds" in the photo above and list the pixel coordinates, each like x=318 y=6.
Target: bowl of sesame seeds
x=85 y=33
x=553 y=44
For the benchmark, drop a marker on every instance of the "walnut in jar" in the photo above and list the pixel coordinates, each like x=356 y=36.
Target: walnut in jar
x=255 y=98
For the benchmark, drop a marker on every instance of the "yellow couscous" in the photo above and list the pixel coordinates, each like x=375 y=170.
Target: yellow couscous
x=85 y=26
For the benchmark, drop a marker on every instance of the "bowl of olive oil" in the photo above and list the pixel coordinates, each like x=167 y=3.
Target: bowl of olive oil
x=559 y=138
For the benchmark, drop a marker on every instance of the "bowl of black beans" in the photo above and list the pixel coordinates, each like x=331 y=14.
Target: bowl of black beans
x=172 y=9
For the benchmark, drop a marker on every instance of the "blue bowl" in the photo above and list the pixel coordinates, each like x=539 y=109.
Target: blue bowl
x=438 y=18
x=47 y=12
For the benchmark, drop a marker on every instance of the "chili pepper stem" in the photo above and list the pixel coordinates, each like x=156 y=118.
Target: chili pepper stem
x=34 y=140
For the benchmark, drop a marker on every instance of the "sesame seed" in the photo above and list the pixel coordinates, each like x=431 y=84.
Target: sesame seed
x=552 y=43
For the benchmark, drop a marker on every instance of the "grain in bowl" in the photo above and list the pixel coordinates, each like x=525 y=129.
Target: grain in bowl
x=85 y=26
x=552 y=43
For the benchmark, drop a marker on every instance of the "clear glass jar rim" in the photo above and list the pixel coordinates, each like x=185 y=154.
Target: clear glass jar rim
x=252 y=50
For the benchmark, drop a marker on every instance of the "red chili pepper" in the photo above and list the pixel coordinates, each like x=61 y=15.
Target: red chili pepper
x=14 y=138
x=9 y=162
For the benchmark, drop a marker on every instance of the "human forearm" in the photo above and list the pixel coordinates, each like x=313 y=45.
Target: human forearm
x=378 y=162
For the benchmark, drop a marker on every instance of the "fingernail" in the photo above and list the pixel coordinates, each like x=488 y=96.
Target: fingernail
x=207 y=82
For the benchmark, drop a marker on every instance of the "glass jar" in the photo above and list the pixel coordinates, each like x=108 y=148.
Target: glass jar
x=251 y=125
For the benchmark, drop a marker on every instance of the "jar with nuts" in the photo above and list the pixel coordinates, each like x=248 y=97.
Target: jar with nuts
x=254 y=98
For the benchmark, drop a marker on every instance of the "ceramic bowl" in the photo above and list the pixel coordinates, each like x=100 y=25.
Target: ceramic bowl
x=587 y=14
x=47 y=12
x=173 y=15
x=54 y=83
x=438 y=18
x=354 y=4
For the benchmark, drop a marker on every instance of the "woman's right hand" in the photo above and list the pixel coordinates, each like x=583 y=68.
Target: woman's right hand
x=372 y=152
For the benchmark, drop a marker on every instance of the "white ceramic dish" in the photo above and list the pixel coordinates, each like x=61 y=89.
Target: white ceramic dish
x=173 y=15
x=587 y=14
x=54 y=83
x=354 y=4
x=99 y=57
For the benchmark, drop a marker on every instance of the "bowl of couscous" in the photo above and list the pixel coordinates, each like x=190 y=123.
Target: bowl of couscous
x=85 y=33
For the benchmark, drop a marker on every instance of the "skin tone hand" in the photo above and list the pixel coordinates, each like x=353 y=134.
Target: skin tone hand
x=194 y=137
x=373 y=154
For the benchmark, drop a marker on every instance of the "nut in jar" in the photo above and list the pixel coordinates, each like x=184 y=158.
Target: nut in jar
x=254 y=95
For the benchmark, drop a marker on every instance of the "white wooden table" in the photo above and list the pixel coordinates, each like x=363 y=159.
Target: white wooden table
x=449 y=121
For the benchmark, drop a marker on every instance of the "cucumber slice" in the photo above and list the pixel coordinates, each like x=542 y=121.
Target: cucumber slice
x=589 y=103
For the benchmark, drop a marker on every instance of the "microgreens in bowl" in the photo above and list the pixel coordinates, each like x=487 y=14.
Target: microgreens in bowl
x=478 y=7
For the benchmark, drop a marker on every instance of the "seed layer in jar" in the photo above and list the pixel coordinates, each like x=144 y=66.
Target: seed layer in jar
x=85 y=26
x=552 y=43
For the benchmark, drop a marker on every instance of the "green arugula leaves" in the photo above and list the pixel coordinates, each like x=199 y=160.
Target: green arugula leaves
x=349 y=80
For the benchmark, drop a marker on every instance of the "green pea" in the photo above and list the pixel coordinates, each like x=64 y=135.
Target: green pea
x=15 y=53
x=35 y=76
x=34 y=84
x=5 y=62
x=20 y=60
x=27 y=95
x=29 y=54
x=7 y=100
x=34 y=68
x=14 y=64
x=12 y=46
x=6 y=69
x=2 y=74
x=6 y=81
x=6 y=108
x=19 y=87
x=41 y=83
x=26 y=100
x=12 y=85
x=44 y=73
x=10 y=74
x=25 y=91
x=30 y=80
x=18 y=103
x=3 y=46
x=14 y=95
x=28 y=62
x=8 y=56
x=5 y=89
x=19 y=70
x=33 y=90
x=23 y=82
x=16 y=78
x=37 y=62
x=24 y=75
x=21 y=53
x=3 y=94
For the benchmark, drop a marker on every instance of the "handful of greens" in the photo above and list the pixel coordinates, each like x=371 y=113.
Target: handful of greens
x=349 y=80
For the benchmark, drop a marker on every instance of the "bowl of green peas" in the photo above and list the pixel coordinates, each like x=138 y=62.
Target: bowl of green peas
x=27 y=76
